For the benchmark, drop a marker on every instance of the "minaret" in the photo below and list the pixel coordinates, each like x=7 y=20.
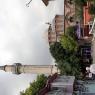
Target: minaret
x=18 y=68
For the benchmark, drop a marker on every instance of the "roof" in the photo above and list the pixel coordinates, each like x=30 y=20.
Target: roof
x=55 y=92
x=64 y=82
x=58 y=92
x=63 y=85
x=66 y=90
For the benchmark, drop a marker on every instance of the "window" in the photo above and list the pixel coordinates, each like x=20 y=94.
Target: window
x=86 y=52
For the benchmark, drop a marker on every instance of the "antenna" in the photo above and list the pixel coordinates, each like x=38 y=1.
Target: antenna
x=28 y=3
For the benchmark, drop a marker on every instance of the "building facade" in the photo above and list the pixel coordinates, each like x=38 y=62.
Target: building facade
x=56 y=30
x=69 y=13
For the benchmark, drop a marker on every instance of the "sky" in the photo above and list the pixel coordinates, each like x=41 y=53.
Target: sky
x=23 y=39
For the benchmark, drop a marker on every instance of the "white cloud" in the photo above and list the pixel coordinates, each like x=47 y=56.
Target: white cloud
x=21 y=39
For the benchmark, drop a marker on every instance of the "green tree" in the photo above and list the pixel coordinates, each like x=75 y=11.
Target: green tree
x=57 y=51
x=69 y=67
x=92 y=9
x=69 y=43
x=70 y=31
x=22 y=93
x=35 y=86
x=80 y=2
x=65 y=53
x=65 y=68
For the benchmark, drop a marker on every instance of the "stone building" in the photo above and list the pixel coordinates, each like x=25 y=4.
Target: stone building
x=56 y=29
x=62 y=85
x=59 y=26
x=58 y=85
x=69 y=13
x=85 y=40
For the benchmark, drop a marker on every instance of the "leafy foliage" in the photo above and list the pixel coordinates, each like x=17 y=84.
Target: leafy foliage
x=70 y=31
x=34 y=87
x=70 y=65
x=92 y=9
x=65 y=53
x=57 y=51
x=69 y=69
x=69 y=43
x=80 y=2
